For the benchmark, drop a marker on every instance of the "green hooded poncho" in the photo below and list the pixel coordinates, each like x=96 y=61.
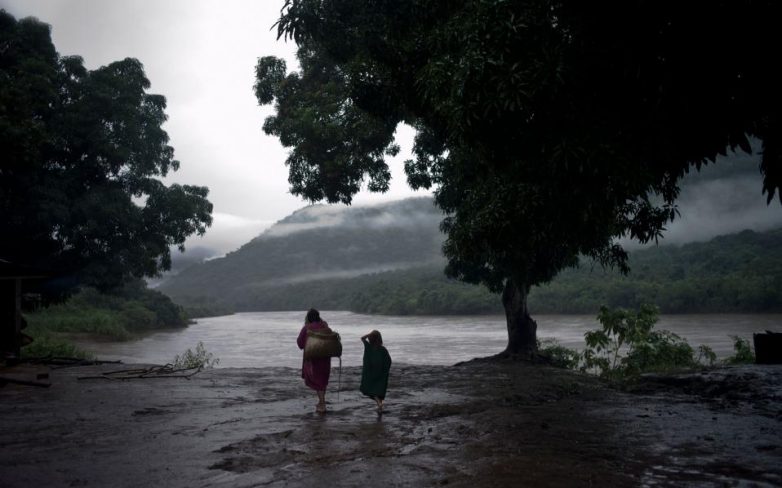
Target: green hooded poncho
x=374 y=372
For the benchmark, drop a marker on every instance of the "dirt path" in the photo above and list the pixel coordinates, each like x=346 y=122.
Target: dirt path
x=476 y=424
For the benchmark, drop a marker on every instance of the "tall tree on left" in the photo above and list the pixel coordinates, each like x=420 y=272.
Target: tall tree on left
x=82 y=156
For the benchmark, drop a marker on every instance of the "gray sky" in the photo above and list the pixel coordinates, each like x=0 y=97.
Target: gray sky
x=201 y=56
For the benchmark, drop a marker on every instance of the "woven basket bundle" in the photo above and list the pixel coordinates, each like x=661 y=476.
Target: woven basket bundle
x=323 y=343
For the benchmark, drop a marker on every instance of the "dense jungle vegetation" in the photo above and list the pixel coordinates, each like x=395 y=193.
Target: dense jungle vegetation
x=121 y=315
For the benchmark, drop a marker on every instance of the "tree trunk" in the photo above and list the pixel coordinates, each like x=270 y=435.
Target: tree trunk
x=522 y=330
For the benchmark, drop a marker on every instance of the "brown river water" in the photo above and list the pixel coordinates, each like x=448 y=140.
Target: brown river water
x=260 y=339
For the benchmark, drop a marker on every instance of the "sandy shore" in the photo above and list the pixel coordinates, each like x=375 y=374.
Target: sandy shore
x=477 y=424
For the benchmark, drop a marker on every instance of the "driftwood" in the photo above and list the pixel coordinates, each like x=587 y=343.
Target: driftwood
x=166 y=371
x=15 y=381
x=58 y=362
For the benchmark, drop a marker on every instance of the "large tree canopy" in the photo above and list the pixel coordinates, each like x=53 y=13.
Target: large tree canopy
x=548 y=128
x=82 y=154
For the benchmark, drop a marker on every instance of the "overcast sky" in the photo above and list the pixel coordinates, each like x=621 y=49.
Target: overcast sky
x=201 y=56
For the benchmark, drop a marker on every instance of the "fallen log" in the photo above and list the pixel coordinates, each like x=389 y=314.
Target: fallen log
x=64 y=362
x=166 y=371
x=5 y=380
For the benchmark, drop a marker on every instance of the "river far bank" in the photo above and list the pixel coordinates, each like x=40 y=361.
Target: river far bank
x=474 y=424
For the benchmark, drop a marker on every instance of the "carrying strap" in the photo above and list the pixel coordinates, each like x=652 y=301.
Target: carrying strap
x=339 y=382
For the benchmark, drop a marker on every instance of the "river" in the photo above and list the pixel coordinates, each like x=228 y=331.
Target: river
x=260 y=339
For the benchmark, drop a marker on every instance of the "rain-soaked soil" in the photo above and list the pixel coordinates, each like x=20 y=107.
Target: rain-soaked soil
x=476 y=424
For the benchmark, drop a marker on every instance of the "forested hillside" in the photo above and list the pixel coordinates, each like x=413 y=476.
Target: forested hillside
x=315 y=244
x=386 y=260
x=735 y=273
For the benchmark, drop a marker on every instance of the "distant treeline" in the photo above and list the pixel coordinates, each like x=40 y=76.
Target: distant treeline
x=121 y=315
x=736 y=273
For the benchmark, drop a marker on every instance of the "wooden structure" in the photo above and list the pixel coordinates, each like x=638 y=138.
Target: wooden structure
x=12 y=277
x=768 y=347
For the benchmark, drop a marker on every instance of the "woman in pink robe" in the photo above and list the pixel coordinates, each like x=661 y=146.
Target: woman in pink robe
x=315 y=371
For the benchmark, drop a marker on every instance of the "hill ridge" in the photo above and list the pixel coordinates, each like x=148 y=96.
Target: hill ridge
x=387 y=259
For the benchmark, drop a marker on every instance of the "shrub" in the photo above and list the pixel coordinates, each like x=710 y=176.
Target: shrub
x=200 y=359
x=47 y=345
x=742 y=351
x=628 y=346
x=559 y=356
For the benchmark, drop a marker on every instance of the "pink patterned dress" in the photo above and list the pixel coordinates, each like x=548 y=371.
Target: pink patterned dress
x=314 y=371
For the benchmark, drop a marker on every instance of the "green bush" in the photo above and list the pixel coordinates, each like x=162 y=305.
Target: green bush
x=627 y=346
x=658 y=351
x=200 y=359
x=120 y=315
x=558 y=355
x=742 y=351
x=47 y=345
x=706 y=355
x=69 y=318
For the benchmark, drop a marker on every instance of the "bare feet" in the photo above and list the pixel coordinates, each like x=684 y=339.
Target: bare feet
x=320 y=408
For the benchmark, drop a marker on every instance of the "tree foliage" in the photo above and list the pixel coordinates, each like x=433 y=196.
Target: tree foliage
x=548 y=128
x=128 y=311
x=83 y=151
x=742 y=351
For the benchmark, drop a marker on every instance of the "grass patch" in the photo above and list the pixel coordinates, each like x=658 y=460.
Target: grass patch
x=48 y=344
x=68 y=319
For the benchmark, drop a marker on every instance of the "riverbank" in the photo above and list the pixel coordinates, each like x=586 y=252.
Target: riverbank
x=476 y=424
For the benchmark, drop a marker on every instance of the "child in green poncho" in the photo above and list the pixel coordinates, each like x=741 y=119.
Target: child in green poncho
x=374 y=372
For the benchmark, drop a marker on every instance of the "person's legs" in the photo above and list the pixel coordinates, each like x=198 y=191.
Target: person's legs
x=379 y=402
x=321 y=401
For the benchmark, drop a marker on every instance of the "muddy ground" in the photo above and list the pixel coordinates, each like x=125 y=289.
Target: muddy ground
x=476 y=424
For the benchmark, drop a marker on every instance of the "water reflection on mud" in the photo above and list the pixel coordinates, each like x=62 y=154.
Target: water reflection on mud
x=477 y=424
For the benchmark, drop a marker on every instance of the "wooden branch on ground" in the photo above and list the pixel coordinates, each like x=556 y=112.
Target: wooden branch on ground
x=64 y=362
x=166 y=371
x=5 y=379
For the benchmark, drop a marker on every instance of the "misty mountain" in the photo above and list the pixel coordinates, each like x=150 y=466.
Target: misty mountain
x=387 y=259
x=179 y=261
x=722 y=198
x=316 y=243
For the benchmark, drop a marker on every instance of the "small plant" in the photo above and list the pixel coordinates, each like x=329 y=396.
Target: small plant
x=628 y=346
x=621 y=329
x=658 y=351
x=560 y=356
x=200 y=359
x=45 y=345
x=742 y=351
x=706 y=355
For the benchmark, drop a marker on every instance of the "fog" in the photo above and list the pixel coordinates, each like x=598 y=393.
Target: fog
x=404 y=213
x=722 y=206
x=351 y=273
x=723 y=198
